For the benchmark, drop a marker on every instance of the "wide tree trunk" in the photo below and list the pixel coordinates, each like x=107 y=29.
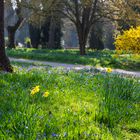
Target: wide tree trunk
x=4 y=61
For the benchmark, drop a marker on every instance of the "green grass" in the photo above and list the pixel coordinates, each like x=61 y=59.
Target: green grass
x=105 y=58
x=80 y=105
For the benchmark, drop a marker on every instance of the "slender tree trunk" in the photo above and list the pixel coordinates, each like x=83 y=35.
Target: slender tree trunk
x=51 y=43
x=4 y=61
x=34 y=35
x=11 y=37
x=82 y=44
x=12 y=29
x=82 y=48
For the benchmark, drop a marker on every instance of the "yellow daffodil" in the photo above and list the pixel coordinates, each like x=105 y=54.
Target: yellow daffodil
x=108 y=70
x=46 y=94
x=35 y=90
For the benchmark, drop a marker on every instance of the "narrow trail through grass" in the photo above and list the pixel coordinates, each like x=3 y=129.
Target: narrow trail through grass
x=36 y=64
x=105 y=58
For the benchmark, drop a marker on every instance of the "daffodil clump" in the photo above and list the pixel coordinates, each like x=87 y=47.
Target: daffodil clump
x=129 y=41
x=36 y=89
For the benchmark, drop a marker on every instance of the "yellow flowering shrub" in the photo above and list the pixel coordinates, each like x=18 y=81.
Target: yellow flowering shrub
x=129 y=41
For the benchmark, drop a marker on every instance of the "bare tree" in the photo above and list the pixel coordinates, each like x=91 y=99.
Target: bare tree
x=83 y=13
x=128 y=13
x=34 y=11
x=4 y=61
x=12 y=29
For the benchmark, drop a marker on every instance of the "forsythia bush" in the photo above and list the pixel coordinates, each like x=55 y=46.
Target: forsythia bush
x=129 y=41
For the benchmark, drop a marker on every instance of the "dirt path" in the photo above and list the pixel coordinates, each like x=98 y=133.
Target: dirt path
x=73 y=66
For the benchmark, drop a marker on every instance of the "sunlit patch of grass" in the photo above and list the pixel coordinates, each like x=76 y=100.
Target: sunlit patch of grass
x=80 y=105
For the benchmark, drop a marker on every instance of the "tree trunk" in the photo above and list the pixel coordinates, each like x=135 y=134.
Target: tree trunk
x=4 y=61
x=34 y=35
x=12 y=29
x=51 y=43
x=82 y=48
x=11 y=37
x=82 y=37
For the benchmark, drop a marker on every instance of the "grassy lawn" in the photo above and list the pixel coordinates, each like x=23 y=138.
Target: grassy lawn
x=104 y=58
x=79 y=105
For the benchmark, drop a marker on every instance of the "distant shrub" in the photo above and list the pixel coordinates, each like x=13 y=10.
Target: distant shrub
x=129 y=41
x=28 y=42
